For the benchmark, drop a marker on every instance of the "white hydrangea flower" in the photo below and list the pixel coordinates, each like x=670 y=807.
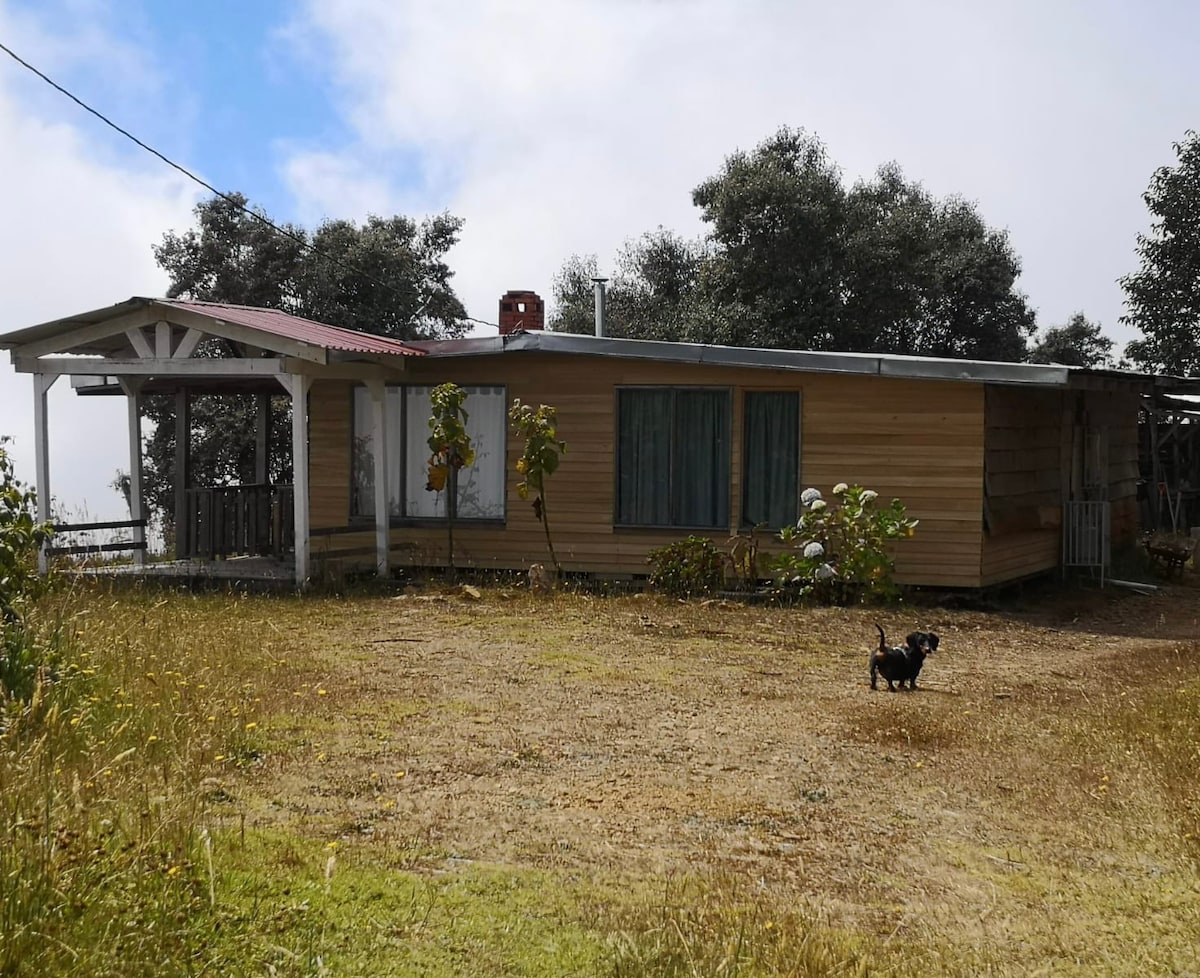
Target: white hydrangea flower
x=869 y=495
x=810 y=495
x=823 y=573
x=817 y=505
x=814 y=550
x=840 y=488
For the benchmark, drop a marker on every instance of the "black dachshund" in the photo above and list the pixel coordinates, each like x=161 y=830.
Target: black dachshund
x=901 y=663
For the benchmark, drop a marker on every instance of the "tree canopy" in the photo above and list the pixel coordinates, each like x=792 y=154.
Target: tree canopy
x=387 y=276
x=793 y=258
x=1162 y=297
x=1077 y=343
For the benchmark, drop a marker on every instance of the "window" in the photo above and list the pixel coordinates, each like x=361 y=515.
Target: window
x=480 y=486
x=771 y=458
x=672 y=457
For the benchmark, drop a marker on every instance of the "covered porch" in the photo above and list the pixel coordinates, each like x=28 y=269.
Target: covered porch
x=188 y=350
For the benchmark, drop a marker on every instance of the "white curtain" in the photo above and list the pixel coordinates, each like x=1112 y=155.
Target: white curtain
x=362 y=502
x=480 y=486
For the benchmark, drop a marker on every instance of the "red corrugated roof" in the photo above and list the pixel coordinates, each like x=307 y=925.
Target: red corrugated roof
x=295 y=328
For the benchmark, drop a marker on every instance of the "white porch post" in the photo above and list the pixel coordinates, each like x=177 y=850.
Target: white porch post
x=298 y=385
x=379 y=445
x=41 y=449
x=137 y=506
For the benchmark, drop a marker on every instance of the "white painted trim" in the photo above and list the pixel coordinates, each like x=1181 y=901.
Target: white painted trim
x=187 y=345
x=113 y=367
x=83 y=335
x=41 y=451
x=299 y=386
x=155 y=313
x=137 y=507
x=380 y=447
x=357 y=370
x=162 y=340
x=137 y=339
x=246 y=334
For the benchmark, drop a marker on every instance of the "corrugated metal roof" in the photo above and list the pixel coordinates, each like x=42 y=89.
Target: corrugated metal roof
x=295 y=328
x=270 y=321
x=810 y=361
x=917 y=368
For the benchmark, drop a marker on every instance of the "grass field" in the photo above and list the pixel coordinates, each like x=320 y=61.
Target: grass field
x=429 y=783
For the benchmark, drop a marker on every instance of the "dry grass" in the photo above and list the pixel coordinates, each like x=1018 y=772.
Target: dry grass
x=673 y=788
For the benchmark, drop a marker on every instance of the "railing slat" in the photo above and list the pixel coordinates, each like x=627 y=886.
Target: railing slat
x=226 y=521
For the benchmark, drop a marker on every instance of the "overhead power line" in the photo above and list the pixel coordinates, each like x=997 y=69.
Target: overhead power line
x=249 y=212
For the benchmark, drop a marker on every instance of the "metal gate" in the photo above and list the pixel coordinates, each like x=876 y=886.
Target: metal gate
x=1086 y=535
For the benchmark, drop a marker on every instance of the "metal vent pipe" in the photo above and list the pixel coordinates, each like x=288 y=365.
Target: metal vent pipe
x=599 y=283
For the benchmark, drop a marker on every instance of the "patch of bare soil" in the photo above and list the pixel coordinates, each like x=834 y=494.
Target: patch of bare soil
x=636 y=736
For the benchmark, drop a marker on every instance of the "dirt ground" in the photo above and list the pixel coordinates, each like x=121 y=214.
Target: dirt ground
x=637 y=736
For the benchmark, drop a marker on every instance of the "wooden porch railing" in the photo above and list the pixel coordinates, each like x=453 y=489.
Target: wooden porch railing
x=229 y=521
x=114 y=546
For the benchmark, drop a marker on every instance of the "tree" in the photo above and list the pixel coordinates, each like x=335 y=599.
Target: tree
x=651 y=296
x=386 y=276
x=927 y=277
x=452 y=450
x=776 y=217
x=1078 y=343
x=1162 y=298
x=540 y=459
x=793 y=259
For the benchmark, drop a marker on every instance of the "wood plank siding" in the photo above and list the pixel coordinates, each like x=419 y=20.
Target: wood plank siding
x=919 y=440
x=1023 y=482
x=1032 y=464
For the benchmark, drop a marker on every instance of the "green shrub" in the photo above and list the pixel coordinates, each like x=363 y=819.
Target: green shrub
x=687 y=567
x=20 y=538
x=838 y=552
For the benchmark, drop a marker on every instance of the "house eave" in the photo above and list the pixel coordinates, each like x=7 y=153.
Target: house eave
x=806 y=361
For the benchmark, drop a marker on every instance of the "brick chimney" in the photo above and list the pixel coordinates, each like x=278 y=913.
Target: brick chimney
x=521 y=309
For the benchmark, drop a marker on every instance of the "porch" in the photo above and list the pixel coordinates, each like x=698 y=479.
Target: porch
x=257 y=527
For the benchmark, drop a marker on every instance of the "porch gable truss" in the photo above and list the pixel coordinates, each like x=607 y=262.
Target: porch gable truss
x=161 y=340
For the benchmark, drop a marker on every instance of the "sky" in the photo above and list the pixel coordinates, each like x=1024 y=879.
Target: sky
x=555 y=129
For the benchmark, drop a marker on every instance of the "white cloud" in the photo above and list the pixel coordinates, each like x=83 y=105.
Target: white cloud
x=568 y=127
x=76 y=234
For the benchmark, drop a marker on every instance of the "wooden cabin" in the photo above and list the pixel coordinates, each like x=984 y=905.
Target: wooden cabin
x=1012 y=469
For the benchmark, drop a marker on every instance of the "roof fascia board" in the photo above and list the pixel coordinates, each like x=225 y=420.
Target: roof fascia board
x=916 y=368
x=61 y=342
x=112 y=367
x=352 y=370
x=397 y=361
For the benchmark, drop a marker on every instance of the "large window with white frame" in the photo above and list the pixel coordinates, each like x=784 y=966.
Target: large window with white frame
x=672 y=457
x=480 y=485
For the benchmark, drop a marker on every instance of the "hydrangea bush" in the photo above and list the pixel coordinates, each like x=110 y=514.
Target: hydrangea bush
x=838 y=550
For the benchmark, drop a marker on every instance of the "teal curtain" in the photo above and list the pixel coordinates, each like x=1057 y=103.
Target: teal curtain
x=644 y=457
x=700 y=474
x=672 y=457
x=771 y=458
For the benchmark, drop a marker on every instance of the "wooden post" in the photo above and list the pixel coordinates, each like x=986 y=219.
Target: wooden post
x=41 y=448
x=262 y=439
x=1155 y=468
x=137 y=506
x=183 y=452
x=379 y=444
x=298 y=385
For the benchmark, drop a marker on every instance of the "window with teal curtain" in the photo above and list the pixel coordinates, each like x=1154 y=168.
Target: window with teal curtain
x=672 y=457
x=771 y=458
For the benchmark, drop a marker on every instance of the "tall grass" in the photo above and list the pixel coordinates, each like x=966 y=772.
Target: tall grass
x=104 y=838
x=720 y=926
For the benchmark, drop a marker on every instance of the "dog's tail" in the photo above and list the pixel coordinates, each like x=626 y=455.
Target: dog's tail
x=882 y=638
